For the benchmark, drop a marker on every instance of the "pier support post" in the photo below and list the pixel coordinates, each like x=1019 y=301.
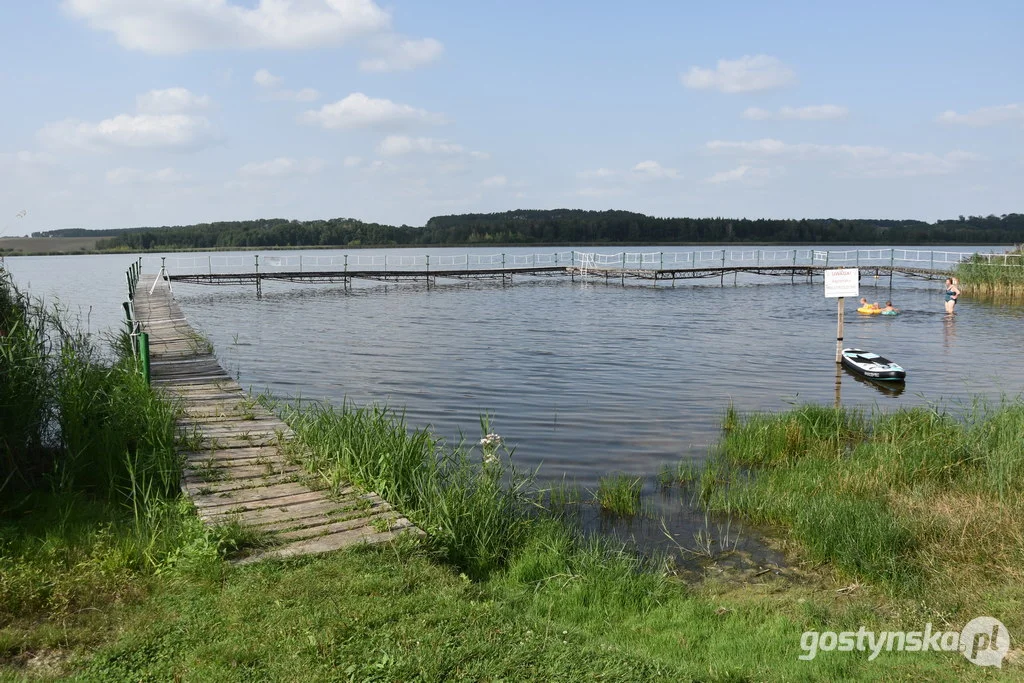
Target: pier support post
x=144 y=354
x=259 y=285
x=428 y=272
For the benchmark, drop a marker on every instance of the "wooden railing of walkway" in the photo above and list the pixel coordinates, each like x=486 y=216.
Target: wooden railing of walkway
x=236 y=466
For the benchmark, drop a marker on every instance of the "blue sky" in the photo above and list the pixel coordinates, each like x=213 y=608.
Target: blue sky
x=155 y=112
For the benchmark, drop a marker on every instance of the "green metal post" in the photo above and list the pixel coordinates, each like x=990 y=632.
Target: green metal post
x=128 y=315
x=144 y=354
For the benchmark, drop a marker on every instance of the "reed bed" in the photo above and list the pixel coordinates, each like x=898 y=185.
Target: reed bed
x=995 y=279
x=909 y=500
x=88 y=474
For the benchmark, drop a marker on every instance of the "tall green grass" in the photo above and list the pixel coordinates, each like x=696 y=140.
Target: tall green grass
x=993 y=278
x=888 y=500
x=88 y=473
x=477 y=506
x=619 y=494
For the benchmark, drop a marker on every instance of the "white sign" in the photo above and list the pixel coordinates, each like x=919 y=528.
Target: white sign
x=842 y=282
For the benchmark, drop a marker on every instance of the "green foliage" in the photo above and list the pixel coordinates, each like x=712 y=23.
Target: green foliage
x=565 y=226
x=476 y=508
x=997 y=279
x=619 y=494
x=858 y=495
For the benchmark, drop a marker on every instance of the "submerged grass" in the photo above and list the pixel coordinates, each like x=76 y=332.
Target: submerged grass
x=619 y=494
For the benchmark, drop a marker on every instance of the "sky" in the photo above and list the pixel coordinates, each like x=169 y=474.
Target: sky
x=122 y=113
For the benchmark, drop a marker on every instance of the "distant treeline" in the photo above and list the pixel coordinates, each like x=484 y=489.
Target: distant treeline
x=562 y=226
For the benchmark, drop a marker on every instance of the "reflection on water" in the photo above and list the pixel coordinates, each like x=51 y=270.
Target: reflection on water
x=888 y=388
x=949 y=331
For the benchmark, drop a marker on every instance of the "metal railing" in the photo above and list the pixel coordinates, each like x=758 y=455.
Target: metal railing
x=591 y=260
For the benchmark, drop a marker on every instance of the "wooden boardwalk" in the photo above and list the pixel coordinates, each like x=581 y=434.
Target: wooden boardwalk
x=237 y=467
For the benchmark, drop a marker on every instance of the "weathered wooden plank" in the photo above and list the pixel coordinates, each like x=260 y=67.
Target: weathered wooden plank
x=239 y=474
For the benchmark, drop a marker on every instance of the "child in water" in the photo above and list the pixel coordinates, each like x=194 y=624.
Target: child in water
x=890 y=309
x=864 y=304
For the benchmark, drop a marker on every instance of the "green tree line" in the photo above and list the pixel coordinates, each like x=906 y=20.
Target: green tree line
x=566 y=226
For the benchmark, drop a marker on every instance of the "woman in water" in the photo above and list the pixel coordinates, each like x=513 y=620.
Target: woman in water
x=952 y=293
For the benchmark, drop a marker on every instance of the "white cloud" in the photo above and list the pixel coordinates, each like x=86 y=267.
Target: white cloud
x=134 y=176
x=494 y=181
x=855 y=160
x=303 y=95
x=739 y=173
x=986 y=116
x=176 y=26
x=402 y=145
x=26 y=157
x=595 y=173
x=821 y=112
x=805 y=150
x=359 y=111
x=746 y=74
x=283 y=166
x=756 y=114
x=125 y=130
x=171 y=101
x=652 y=170
x=598 y=192
x=265 y=79
x=402 y=55
x=352 y=161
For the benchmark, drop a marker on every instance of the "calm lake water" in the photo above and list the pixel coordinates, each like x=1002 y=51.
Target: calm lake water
x=583 y=378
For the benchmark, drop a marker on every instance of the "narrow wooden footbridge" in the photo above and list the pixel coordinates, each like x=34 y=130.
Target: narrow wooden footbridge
x=656 y=267
x=239 y=458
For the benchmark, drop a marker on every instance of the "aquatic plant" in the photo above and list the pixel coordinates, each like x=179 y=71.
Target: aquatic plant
x=902 y=500
x=619 y=494
x=993 y=277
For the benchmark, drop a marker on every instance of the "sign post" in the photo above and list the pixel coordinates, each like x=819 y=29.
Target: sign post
x=841 y=283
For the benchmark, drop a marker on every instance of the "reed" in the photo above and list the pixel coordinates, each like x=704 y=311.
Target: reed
x=619 y=494
x=88 y=473
x=477 y=507
x=994 y=278
x=888 y=500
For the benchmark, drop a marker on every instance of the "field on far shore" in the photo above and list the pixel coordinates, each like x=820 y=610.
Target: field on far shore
x=46 y=245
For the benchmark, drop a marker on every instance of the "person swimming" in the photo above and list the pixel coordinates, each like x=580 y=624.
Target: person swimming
x=864 y=304
x=952 y=293
x=890 y=309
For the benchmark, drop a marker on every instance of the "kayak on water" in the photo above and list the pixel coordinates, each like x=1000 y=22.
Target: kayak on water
x=872 y=366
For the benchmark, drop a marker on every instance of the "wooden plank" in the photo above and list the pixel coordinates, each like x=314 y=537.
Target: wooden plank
x=239 y=474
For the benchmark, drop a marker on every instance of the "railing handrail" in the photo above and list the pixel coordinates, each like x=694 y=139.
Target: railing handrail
x=638 y=260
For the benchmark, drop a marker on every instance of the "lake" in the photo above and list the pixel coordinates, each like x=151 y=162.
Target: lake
x=582 y=378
